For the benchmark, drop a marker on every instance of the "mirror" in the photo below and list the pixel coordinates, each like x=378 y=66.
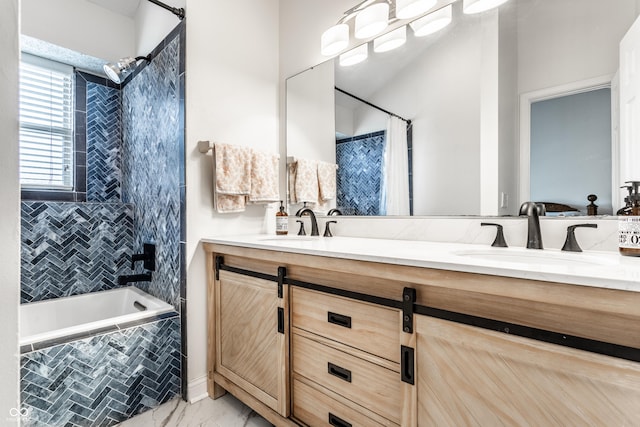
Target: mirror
x=465 y=89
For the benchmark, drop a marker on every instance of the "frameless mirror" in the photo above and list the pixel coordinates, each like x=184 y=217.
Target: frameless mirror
x=478 y=93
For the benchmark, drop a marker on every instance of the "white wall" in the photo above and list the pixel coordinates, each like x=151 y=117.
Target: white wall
x=548 y=53
x=232 y=97
x=311 y=114
x=80 y=26
x=9 y=212
x=152 y=24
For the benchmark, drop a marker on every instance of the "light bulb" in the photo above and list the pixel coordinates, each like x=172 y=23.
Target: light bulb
x=372 y=20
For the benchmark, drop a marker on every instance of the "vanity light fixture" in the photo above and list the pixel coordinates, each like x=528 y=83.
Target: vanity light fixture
x=477 y=6
x=406 y=9
x=390 y=40
x=354 y=56
x=334 y=40
x=372 y=20
x=432 y=22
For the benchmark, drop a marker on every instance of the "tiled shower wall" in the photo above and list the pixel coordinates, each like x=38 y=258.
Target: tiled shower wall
x=153 y=166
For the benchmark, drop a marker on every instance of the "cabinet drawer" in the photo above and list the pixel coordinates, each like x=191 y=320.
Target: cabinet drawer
x=365 y=326
x=315 y=408
x=372 y=386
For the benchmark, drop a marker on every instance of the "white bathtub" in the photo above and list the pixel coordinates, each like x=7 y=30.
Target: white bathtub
x=61 y=317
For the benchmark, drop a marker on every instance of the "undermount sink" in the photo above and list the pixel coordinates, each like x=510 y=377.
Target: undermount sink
x=535 y=256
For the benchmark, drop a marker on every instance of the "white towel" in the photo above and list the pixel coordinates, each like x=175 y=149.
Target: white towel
x=306 y=182
x=232 y=177
x=327 y=181
x=264 y=177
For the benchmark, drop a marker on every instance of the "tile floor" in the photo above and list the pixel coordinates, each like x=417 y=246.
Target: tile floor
x=224 y=412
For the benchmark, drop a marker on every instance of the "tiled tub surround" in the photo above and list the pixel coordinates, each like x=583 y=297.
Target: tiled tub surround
x=73 y=248
x=103 y=379
x=152 y=170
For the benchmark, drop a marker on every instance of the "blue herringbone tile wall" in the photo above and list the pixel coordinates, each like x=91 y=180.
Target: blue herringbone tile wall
x=103 y=143
x=151 y=154
x=359 y=178
x=73 y=248
x=102 y=380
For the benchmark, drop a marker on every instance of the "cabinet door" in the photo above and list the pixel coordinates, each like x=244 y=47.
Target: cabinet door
x=467 y=376
x=250 y=350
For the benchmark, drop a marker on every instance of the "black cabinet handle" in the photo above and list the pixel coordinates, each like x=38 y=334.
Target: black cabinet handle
x=339 y=319
x=281 y=320
x=337 y=371
x=337 y=421
x=407 y=371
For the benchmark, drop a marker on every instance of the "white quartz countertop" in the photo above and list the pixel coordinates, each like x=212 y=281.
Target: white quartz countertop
x=588 y=268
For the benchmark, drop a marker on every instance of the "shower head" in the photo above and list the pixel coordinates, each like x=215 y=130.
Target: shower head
x=121 y=69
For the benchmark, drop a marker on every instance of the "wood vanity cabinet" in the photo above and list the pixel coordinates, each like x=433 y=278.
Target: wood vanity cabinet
x=468 y=376
x=346 y=356
x=251 y=339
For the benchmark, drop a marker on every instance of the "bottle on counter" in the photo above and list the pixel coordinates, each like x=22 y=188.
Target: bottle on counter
x=282 y=221
x=629 y=223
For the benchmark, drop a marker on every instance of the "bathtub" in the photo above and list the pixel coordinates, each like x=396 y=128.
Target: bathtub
x=51 y=321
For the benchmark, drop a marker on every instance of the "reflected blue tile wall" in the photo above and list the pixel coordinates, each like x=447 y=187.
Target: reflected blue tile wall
x=359 y=180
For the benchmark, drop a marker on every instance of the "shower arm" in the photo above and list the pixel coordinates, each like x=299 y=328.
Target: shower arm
x=179 y=12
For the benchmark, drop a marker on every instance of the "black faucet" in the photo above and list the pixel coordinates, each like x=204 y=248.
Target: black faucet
x=533 y=210
x=334 y=211
x=148 y=256
x=314 y=221
x=144 y=277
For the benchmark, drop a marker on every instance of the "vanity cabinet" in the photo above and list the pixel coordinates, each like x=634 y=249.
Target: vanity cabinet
x=251 y=340
x=468 y=376
x=318 y=341
x=345 y=361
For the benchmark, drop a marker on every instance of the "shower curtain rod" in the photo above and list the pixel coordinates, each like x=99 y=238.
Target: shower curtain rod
x=179 y=12
x=372 y=105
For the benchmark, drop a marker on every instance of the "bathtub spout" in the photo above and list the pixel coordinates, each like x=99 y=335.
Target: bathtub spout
x=144 y=277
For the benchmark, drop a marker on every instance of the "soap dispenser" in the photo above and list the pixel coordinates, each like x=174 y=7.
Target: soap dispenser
x=629 y=223
x=282 y=221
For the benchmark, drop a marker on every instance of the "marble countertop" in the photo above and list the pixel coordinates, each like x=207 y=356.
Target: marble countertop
x=588 y=268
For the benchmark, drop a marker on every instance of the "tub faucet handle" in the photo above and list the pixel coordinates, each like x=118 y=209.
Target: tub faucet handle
x=148 y=257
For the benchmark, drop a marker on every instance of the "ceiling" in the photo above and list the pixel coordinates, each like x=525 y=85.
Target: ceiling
x=122 y=7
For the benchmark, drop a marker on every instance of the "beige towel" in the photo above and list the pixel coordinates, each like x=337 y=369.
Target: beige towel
x=232 y=177
x=306 y=185
x=292 y=170
x=327 y=181
x=264 y=177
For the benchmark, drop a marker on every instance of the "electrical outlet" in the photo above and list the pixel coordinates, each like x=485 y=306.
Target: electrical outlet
x=504 y=200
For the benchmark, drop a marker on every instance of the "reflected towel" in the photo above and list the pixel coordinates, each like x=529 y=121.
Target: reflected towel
x=264 y=177
x=232 y=177
x=327 y=181
x=306 y=185
x=292 y=169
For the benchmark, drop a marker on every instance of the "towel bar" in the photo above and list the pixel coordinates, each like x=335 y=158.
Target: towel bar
x=204 y=147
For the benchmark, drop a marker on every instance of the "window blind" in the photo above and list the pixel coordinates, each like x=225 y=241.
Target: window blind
x=46 y=124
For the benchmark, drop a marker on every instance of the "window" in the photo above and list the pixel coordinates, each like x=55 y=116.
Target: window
x=46 y=124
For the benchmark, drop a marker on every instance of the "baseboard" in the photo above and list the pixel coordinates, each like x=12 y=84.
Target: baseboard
x=197 y=389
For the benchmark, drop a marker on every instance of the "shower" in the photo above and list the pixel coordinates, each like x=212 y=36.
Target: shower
x=119 y=71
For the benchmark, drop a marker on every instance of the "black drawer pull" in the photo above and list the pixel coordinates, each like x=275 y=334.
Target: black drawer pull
x=337 y=421
x=281 y=320
x=337 y=371
x=339 y=319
